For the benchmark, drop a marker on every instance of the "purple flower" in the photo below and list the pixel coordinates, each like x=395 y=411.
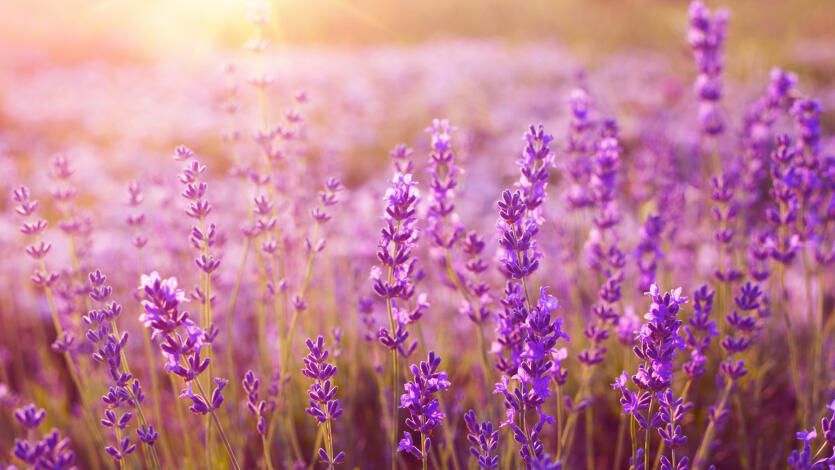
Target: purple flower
x=26 y=207
x=672 y=412
x=706 y=36
x=425 y=412
x=545 y=462
x=534 y=163
x=648 y=251
x=807 y=115
x=30 y=416
x=259 y=408
x=742 y=325
x=443 y=186
x=603 y=251
x=804 y=460
x=52 y=452
x=408 y=445
x=533 y=374
x=180 y=339
x=659 y=340
x=147 y=434
x=394 y=253
x=484 y=440
x=324 y=407
x=699 y=332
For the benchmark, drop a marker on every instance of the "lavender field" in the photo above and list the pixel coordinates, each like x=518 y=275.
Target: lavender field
x=479 y=246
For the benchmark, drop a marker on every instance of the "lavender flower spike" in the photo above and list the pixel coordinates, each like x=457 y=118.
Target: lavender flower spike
x=424 y=409
x=324 y=406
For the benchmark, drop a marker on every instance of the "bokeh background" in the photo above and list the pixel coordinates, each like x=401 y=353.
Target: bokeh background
x=115 y=85
x=72 y=65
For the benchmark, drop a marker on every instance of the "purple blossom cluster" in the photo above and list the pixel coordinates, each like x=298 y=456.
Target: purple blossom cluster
x=728 y=192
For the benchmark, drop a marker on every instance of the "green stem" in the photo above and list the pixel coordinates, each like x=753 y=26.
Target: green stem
x=223 y=437
x=707 y=437
x=648 y=434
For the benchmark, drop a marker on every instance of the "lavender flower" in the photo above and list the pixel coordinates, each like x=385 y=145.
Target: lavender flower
x=484 y=441
x=181 y=340
x=706 y=36
x=671 y=411
x=659 y=340
x=125 y=391
x=783 y=245
x=443 y=186
x=605 y=255
x=324 y=407
x=425 y=412
x=533 y=374
x=725 y=213
x=807 y=114
x=699 y=332
x=534 y=164
x=30 y=416
x=136 y=218
x=804 y=460
x=744 y=326
x=259 y=408
x=51 y=452
x=648 y=251
x=578 y=145
x=395 y=255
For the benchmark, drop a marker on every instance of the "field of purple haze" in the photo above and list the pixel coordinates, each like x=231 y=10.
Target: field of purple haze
x=460 y=254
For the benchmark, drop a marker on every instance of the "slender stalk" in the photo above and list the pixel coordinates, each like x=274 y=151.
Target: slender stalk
x=223 y=437
x=793 y=358
x=288 y=339
x=559 y=415
x=634 y=439
x=648 y=437
x=743 y=435
x=707 y=437
x=207 y=320
x=589 y=439
x=316 y=444
x=394 y=386
x=619 y=446
x=139 y=412
x=71 y=367
x=423 y=450
x=119 y=462
x=266 y=449
x=661 y=446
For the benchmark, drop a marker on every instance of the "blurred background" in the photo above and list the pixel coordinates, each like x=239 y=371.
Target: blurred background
x=72 y=65
x=798 y=34
x=116 y=84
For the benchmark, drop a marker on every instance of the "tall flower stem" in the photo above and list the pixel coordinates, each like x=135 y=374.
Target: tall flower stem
x=707 y=437
x=619 y=446
x=661 y=446
x=140 y=413
x=648 y=436
x=567 y=438
x=394 y=387
x=183 y=427
x=223 y=437
x=288 y=339
x=71 y=368
x=634 y=438
x=459 y=285
x=230 y=311
x=743 y=434
x=266 y=450
x=793 y=360
x=589 y=438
